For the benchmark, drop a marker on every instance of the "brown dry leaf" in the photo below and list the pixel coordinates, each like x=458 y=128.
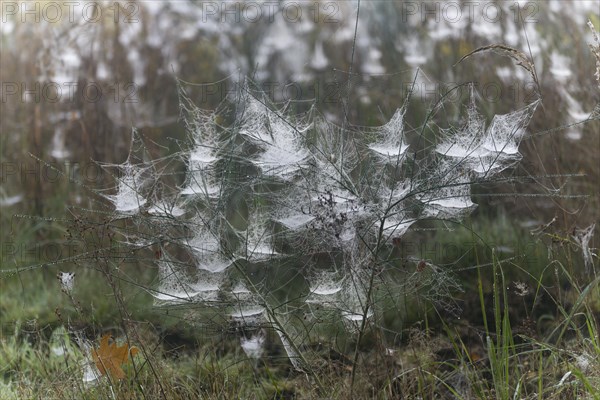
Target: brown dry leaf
x=109 y=357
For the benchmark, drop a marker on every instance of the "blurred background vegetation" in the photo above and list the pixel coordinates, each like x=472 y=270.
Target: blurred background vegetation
x=73 y=88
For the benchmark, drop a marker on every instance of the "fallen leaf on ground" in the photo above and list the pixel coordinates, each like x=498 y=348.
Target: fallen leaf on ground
x=109 y=357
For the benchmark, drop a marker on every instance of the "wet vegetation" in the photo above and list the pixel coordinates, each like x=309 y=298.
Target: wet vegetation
x=205 y=238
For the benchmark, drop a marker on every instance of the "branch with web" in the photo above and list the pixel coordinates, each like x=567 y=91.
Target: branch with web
x=297 y=193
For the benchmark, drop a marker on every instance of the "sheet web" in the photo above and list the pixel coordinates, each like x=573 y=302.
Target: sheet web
x=278 y=215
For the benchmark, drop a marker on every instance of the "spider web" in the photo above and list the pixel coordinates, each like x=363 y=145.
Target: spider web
x=302 y=187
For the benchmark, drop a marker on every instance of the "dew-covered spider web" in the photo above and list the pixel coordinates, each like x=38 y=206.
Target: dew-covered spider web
x=289 y=221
